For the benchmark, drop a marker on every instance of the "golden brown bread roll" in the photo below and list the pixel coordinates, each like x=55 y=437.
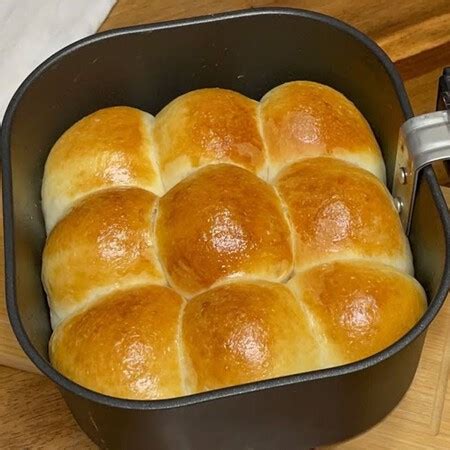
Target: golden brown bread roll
x=307 y=272
x=207 y=126
x=303 y=119
x=104 y=243
x=124 y=345
x=341 y=211
x=358 y=308
x=241 y=332
x=111 y=147
x=218 y=223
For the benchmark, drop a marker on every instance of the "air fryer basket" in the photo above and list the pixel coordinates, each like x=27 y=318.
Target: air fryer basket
x=146 y=67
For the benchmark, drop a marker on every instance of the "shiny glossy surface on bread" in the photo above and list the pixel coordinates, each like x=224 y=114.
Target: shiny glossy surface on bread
x=109 y=148
x=208 y=126
x=304 y=119
x=222 y=222
x=341 y=211
x=268 y=221
x=105 y=242
x=125 y=345
x=359 y=307
x=244 y=331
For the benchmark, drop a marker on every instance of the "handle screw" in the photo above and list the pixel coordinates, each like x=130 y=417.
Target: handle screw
x=403 y=175
x=398 y=204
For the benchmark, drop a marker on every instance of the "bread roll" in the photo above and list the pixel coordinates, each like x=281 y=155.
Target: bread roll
x=340 y=211
x=111 y=147
x=218 y=223
x=303 y=119
x=208 y=126
x=270 y=219
x=243 y=332
x=125 y=345
x=104 y=243
x=358 y=308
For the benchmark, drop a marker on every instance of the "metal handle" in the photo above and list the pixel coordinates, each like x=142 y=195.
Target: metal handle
x=443 y=97
x=442 y=168
x=423 y=140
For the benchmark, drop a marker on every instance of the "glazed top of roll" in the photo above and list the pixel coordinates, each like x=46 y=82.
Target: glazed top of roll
x=241 y=332
x=105 y=243
x=341 y=211
x=125 y=345
x=208 y=126
x=304 y=119
x=108 y=148
x=358 y=308
x=222 y=222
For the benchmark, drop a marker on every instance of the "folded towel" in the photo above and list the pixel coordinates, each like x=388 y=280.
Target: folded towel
x=33 y=30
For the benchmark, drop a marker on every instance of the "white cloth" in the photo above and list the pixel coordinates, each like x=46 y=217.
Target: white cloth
x=32 y=30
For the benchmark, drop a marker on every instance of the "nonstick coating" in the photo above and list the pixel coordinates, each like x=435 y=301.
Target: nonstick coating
x=146 y=67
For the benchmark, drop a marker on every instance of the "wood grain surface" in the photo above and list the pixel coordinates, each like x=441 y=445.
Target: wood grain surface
x=416 y=35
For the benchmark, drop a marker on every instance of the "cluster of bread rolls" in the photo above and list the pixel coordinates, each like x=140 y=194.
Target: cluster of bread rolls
x=221 y=242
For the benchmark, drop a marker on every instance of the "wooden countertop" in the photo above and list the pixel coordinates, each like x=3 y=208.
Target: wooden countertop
x=416 y=35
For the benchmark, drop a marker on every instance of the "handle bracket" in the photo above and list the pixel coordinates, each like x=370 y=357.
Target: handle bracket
x=423 y=140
